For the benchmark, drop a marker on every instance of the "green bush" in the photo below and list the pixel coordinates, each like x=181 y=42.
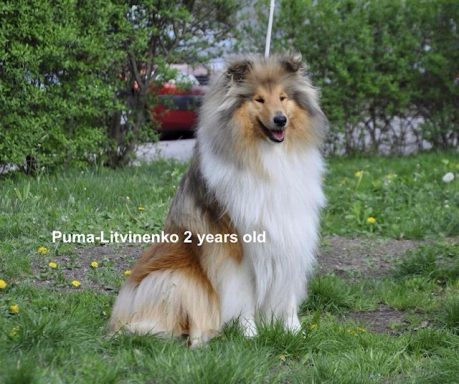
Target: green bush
x=386 y=68
x=53 y=87
x=67 y=70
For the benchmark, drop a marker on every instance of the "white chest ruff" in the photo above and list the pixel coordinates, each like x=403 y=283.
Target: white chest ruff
x=285 y=205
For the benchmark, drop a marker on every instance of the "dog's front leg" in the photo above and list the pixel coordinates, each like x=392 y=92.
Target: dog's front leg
x=291 y=320
x=285 y=311
x=289 y=315
x=237 y=295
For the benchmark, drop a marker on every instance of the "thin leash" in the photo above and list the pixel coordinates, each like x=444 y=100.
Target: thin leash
x=270 y=27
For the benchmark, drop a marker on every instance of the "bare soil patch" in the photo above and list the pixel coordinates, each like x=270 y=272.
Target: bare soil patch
x=346 y=257
x=382 y=320
x=349 y=257
x=112 y=261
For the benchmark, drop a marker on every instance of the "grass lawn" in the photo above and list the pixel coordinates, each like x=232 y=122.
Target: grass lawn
x=383 y=305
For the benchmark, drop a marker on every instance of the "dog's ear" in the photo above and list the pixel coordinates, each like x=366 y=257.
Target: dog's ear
x=292 y=63
x=238 y=70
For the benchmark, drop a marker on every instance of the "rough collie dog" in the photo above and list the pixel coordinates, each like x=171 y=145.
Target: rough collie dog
x=256 y=167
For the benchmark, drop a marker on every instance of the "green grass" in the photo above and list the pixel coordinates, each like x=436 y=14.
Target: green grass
x=406 y=196
x=439 y=262
x=59 y=333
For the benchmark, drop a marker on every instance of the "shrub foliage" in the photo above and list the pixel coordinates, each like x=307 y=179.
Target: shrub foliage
x=387 y=69
x=67 y=70
x=54 y=86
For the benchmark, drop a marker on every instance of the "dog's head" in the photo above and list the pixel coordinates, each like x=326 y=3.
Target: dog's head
x=272 y=99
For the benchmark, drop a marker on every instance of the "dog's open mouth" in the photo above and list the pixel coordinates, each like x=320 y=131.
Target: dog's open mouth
x=276 y=135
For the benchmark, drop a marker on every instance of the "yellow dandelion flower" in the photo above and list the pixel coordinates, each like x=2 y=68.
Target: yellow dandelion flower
x=76 y=283
x=371 y=220
x=358 y=174
x=42 y=250
x=127 y=272
x=52 y=264
x=3 y=284
x=141 y=209
x=94 y=264
x=313 y=326
x=14 y=309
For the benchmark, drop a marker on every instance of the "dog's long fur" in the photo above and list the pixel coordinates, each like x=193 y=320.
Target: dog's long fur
x=242 y=178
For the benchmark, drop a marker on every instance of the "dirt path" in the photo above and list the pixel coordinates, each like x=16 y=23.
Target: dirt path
x=345 y=257
x=349 y=258
x=342 y=256
x=361 y=256
x=180 y=150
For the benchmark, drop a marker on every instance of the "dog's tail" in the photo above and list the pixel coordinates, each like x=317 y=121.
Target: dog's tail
x=168 y=294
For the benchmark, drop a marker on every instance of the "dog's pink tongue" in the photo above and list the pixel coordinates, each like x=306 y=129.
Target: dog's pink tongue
x=278 y=135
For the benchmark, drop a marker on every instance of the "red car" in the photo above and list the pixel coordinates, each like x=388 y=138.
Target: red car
x=179 y=103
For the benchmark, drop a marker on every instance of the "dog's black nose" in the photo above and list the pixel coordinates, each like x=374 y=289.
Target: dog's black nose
x=280 y=120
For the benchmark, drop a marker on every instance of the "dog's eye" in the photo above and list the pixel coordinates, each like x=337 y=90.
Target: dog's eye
x=260 y=100
x=282 y=98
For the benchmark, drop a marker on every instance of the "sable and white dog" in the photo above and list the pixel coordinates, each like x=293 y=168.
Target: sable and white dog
x=257 y=166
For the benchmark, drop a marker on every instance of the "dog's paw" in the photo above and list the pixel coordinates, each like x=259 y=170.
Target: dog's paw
x=197 y=341
x=249 y=328
x=292 y=324
x=198 y=338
